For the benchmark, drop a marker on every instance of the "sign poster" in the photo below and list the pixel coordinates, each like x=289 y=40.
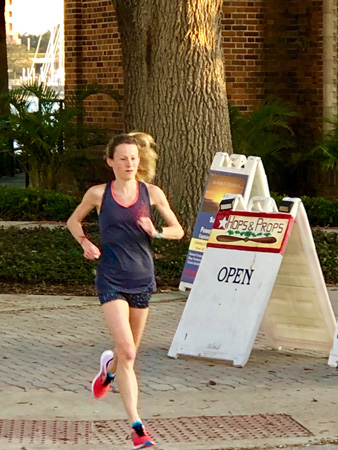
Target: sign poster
x=245 y=231
x=218 y=184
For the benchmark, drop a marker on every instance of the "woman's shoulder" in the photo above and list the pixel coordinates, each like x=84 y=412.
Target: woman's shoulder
x=155 y=193
x=97 y=189
x=96 y=192
x=152 y=187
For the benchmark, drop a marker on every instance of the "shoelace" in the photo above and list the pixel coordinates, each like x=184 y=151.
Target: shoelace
x=109 y=379
x=139 y=430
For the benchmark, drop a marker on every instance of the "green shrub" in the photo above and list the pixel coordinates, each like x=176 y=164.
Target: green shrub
x=53 y=139
x=327 y=249
x=53 y=256
x=321 y=211
x=326 y=152
x=42 y=254
x=42 y=204
x=169 y=258
x=267 y=132
x=35 y=204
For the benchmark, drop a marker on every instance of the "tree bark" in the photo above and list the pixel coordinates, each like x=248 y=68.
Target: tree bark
x=3 y=60
x=175 y=90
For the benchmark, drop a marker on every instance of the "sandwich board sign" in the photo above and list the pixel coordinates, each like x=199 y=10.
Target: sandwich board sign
x=299 y=312
x=239 y=277
x=333 y=359
x=234 y=174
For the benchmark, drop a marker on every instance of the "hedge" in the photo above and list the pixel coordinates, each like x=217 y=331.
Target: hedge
x=327 y=250
x=38 y=204
x=35 y=204
x=321 y=211
x=42 y=254
x=53 y=256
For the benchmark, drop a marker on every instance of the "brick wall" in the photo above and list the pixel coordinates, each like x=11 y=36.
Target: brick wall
x=242 y=42
x=270 y=48
x=93 y=55
x=293 y=54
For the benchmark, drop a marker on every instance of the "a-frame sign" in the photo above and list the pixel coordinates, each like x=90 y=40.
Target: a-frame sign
x=258 y=262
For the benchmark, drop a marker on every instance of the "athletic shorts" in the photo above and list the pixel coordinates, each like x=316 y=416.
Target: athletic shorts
x=134 y=300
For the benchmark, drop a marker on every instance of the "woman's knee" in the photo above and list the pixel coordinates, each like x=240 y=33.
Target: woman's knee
x=126 y=353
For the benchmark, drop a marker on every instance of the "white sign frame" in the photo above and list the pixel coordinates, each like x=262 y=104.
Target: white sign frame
x=299 y=313
x=333 y=359
x=229 y=331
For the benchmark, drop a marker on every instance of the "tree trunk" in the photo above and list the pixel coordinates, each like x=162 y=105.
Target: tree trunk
x=3 y=60
x=175 y=90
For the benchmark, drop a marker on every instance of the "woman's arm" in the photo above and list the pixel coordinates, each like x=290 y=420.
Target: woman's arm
x=92 y=199
x=173 y=230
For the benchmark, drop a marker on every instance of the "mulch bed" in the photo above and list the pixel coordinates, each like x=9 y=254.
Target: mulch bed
x=82 y=290
x=47 y=289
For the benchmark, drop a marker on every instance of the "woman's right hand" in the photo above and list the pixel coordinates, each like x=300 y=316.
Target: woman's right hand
x=90 y=251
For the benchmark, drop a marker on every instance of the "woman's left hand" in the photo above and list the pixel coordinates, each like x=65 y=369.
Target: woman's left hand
x=148 y=226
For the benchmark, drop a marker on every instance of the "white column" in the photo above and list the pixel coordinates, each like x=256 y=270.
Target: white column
x=329 y=61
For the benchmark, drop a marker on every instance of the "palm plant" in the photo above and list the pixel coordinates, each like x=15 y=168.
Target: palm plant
x=266 y=132
x=51 y=138
x=327 y=150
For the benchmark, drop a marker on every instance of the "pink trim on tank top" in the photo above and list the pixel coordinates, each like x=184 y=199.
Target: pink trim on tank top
x=132 y=203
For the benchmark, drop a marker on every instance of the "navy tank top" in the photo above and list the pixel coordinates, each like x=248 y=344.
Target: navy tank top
x=126 y=263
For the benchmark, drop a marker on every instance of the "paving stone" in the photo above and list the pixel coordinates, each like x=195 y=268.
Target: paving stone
x=53 y=344
x=160 y=387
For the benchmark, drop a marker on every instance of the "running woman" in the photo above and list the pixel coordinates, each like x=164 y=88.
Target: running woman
x=125 y=272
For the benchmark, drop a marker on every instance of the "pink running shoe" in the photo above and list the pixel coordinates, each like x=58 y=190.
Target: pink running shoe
x=101 y=383
x=140 y=437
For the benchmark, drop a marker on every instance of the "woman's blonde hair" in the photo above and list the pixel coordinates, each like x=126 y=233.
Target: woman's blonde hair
x=148 y=157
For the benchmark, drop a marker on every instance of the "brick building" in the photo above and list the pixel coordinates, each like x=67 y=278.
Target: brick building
x=11 y=35
x=287 y=49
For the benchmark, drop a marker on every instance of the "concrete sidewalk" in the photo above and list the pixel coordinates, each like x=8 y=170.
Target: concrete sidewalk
x=50 y=347
x=18 y=181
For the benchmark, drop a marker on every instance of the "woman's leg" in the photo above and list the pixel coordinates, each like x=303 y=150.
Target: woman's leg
x=118 y=317
x=137 y=320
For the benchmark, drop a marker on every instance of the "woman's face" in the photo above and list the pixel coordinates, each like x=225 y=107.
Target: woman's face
x=125 y=161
